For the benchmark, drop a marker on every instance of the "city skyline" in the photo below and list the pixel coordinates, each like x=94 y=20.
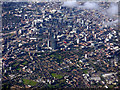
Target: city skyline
x=60 y=45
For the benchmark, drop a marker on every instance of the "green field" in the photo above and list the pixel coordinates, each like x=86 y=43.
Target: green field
x=29 y=82
x=24 y=63
x=57 y=76
x=85 y=71
x=110 y=86
x=18 y=68
x=15 y=64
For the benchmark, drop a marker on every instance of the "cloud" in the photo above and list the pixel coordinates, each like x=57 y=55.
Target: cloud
x=86 y=5
x=113 y=9
x=70 y=3
x=111 y=23
x=90 y=5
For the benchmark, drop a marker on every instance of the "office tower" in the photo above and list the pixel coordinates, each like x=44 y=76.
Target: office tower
x=33 y=24
x=77 y=40
x=17 y=32
x=25 y=16
x=48 y=43
x=38 y=48
x=21 y=32
x=85 y=39
x=82 y=22
x=52 y=41
x=86 y=56
x=87 y=27
x=95 y=36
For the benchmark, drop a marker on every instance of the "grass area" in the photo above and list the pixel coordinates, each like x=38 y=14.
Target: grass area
x=50 y=86
x=60 y=83
x=29 y=82
x=51 y=56
x=18 y=68
x=110 y=86
x=15 y=64
x=10 y=35
x=57 y=85
x=85 y=71
x=57 y=76
x=24 y=63
x=59 y=57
